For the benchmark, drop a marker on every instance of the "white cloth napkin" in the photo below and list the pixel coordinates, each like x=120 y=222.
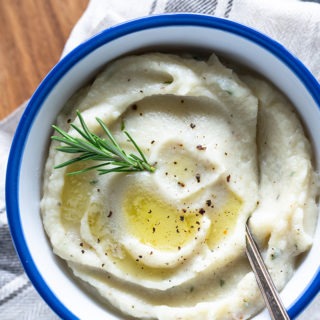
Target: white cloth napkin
x=294 y=23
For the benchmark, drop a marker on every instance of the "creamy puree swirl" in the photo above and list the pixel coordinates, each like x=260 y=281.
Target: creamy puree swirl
x=170 y=244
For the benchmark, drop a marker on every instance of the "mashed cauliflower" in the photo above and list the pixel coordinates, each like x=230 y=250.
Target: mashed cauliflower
x=171 y=244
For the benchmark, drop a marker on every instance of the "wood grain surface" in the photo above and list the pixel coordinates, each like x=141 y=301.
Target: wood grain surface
x=32 y=36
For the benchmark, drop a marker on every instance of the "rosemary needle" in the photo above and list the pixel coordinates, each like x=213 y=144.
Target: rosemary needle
x=106 y=151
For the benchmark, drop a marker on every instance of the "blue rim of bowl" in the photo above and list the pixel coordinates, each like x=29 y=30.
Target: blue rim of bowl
x=34 y=105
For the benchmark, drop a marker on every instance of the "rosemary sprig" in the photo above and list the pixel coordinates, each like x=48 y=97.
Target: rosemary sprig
x=108 y=152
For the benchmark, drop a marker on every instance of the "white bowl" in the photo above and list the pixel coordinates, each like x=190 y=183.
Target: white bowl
x=48 y=274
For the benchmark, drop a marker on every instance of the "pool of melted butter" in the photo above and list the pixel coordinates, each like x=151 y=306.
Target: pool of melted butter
x=151 y=219
x=157 y=223
x=163 y=226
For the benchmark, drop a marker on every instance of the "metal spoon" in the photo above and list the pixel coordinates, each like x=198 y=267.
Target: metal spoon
x=265 y=283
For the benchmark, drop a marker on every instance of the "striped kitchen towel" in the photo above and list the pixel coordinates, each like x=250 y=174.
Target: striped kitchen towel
x=294 y=23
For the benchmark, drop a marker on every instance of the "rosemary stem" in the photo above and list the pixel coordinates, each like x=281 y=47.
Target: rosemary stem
x=90 y=146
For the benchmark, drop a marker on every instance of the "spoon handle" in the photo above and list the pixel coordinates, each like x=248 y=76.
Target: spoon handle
x=266 y=285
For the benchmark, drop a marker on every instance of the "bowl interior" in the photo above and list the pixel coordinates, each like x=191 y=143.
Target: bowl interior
x=164 y=33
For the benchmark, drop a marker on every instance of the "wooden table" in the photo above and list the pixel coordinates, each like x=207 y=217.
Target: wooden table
x=32 y=36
